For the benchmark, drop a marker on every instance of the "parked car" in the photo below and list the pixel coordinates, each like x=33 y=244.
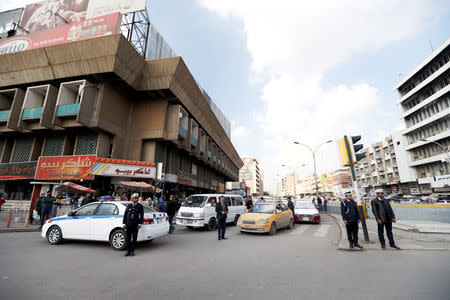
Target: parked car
x=266 y=217
x=306 y=212
x=197 y=211
x=102 y=221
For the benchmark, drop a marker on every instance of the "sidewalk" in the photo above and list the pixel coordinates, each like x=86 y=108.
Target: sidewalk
x=405 y=236
x=19 y=225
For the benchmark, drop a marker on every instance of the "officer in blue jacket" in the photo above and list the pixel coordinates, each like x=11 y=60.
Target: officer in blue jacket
x=132 y=220
x=350 y=215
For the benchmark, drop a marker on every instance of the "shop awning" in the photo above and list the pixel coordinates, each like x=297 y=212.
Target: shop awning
x=135 y=184
x=73 y=187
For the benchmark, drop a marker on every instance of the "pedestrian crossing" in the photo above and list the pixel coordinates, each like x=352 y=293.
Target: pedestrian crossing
x=319 y=231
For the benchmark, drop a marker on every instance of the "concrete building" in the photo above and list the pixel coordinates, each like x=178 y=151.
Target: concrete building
x=336 y=182
x=288 y=186
x=99 y=97
x=425 y=102
x=386 y=166
x=251 y=174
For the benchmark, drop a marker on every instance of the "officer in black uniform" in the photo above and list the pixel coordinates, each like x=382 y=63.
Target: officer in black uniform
x=350 y=215
x=132 y=220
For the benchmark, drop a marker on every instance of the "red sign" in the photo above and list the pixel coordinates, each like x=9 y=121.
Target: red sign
x=77 y=30
x=65 y=167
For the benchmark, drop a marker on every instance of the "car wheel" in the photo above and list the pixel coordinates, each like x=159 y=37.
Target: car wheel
x=273 y=229
x=118 y=240
x=291 y=224
x=54 y=235
x=236 y=220
x=212 y=224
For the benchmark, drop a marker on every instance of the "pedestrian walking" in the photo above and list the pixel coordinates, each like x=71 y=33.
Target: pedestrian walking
x=290 y=204
x=382 y=210
x=171 y=210
x=221 y=211
x=38 y=205
x=249 y=203
x=325 y=202
x=319 y=203
x=2 y=201
x=46 y=204
x=350 y=215
x=161 y=204
x=132 y=220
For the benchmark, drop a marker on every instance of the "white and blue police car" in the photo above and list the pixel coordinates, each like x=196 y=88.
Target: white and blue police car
x=102 y=221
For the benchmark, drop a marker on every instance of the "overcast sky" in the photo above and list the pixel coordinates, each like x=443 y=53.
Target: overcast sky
x=307 y=71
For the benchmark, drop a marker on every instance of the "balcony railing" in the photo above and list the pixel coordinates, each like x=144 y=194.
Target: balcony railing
x=4 y=115
x=32 y=113
x=67 y=109
x=181 y=131
x=193 y=141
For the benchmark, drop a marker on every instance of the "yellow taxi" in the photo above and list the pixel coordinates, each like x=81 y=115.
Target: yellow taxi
x=266 y=217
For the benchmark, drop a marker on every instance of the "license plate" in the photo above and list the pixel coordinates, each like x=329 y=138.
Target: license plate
x=305 y=219
x=247 y=226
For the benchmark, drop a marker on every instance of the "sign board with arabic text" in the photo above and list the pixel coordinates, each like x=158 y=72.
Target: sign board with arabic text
x=120 y=170
x=65 y=167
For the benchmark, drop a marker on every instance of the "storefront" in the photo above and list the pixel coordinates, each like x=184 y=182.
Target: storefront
x=15 y=184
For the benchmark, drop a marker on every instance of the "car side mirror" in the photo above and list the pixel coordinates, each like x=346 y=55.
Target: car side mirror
x=71 y=214
x=208 y=205
x=278 y=211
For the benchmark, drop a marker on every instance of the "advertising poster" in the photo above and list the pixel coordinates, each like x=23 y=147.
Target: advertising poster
x=41 y=15
x=7 y=18
x=103 y=7
x=65 y=167
x=75 y=31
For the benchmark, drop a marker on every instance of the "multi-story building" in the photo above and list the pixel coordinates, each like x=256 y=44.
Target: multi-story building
x=251 y=174
x=336 y=182
x=382 y=169
x=289 y=185
x=99 y=101
x=307 y=184
x=425 y=101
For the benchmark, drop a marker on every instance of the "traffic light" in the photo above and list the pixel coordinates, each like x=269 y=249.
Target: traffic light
x=348 y=150
x=354 y=148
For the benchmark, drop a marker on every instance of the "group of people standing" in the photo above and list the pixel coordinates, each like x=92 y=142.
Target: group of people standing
x=383 y=213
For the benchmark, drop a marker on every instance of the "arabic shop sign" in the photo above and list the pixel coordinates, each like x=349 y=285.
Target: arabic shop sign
x=120 y=170
x=65 y=167
x=23 y=170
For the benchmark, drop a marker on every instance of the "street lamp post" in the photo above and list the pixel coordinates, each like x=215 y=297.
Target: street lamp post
x=293 y=171
x=314 y=159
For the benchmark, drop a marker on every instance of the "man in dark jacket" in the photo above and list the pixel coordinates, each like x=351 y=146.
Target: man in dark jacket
x=249 y=203
x=88 y=199
x=290 y=204
x=132 y=220
x=350 y=215
x=382 y=210
x=46 y=204
x=221 y=211
x=171 y=210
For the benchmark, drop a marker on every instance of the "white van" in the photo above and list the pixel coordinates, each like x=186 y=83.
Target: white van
x=197 y=211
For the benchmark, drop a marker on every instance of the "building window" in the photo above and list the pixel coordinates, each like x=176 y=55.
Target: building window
x=22 y=149
x=53 y=145
x=87 y=144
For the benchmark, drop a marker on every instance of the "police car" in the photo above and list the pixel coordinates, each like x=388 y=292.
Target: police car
x=102 y=221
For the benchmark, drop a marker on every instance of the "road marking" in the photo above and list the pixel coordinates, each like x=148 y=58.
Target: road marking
x=322 y=231
x=302 y=229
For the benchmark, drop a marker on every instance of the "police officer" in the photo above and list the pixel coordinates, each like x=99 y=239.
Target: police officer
x=350 y=215
x=382 y=210
x=132 y=220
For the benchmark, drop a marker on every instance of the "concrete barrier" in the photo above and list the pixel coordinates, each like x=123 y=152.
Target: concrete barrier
x=436 y=213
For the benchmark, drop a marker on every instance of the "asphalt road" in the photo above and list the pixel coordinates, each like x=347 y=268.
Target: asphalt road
x=193 y=264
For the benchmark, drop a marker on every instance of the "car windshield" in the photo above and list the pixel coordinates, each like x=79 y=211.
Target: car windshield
x=195 y=201
x=305 y=206
x=263 y=209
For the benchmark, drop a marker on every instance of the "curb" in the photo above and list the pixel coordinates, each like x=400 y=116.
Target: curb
x=7 y=230
x=341 y=243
